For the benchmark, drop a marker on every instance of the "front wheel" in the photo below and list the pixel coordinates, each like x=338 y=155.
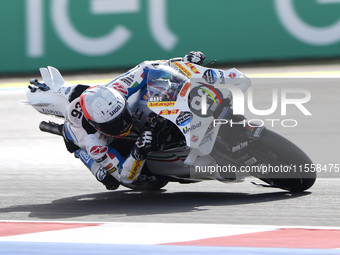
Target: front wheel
x=289 y=168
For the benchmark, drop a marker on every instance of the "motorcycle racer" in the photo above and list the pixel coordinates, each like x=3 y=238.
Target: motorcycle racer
x=100 y=114
x=167 y=118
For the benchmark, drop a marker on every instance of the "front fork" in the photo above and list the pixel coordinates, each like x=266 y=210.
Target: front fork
x=238 y=135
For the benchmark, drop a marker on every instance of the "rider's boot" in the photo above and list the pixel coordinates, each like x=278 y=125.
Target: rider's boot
x=97 y=170
x=110 y=182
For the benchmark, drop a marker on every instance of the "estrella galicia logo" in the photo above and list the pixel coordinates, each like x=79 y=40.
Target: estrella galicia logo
x=184 y=118
x=210 y=76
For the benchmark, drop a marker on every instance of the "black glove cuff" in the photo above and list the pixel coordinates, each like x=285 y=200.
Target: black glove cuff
x=139 y=153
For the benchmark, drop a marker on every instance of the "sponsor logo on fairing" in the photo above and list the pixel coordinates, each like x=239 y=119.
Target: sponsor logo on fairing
x=232 y=75
x=194 y=138
x=146 y=95
x=250 y=161
x=185 y=89
x=222 y=77
x=193 y=68
x=161 y=104
x=159 y=99
x=192 y=127
x=239 y=147
x=128 y=80
x=210 y=76
x=184 y=118
x=168 y=112
x=51 y=112
x=182 y=69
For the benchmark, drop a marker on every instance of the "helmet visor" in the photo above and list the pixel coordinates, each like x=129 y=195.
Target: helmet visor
x=120 y=126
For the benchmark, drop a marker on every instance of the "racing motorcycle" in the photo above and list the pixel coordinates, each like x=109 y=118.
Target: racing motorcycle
x=189 y=107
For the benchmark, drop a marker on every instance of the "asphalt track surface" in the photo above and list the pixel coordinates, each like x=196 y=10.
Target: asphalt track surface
x=41 y=181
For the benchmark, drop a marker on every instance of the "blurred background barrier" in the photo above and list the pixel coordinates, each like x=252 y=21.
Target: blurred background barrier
x=105 y=34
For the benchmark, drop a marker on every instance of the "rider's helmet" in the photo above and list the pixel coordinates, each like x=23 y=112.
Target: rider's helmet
x=106 y=110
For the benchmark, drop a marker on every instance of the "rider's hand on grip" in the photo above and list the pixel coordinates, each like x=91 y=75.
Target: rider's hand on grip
x=195 y=57
x=143 y=146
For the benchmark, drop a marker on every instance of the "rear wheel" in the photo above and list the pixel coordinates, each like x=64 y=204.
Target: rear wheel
x=147 y=185
x=148 y=181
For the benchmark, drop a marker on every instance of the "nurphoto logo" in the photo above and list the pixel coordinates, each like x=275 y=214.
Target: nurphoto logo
x=206 y=99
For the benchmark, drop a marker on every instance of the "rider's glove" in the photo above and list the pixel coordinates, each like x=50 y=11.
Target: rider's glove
x=195 y=57
x=143 y=146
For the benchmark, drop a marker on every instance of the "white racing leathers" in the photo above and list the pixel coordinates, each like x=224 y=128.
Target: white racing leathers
x=93 y=150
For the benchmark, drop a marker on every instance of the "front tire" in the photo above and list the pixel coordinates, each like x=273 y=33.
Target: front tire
x=275 y=150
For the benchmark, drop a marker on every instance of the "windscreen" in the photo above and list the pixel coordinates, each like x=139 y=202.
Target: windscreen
x=164 y=84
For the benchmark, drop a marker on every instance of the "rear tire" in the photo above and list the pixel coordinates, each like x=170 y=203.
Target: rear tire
x=148 y=181
x=147 y=186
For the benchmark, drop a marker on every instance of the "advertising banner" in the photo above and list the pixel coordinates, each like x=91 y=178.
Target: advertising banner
x=104 y=34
